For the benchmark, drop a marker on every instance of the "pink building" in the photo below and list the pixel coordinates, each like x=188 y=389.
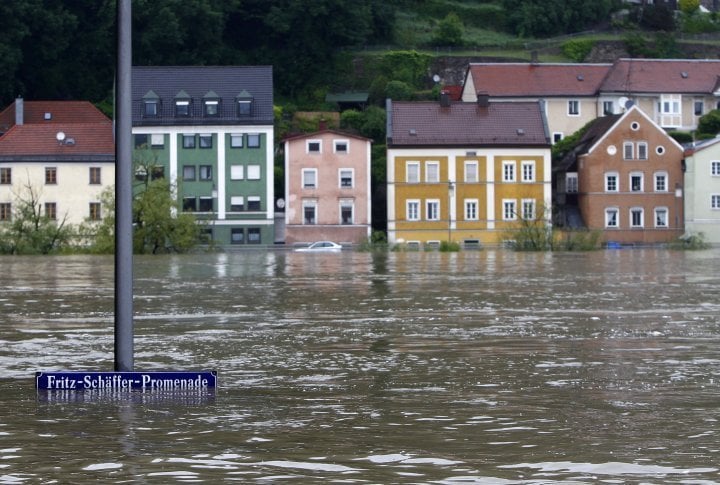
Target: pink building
x=327 y=187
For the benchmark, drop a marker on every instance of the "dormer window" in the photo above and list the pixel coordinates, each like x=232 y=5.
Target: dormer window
x=244 y=104
x=151 y=104
x=182 y=104
x=211 y=104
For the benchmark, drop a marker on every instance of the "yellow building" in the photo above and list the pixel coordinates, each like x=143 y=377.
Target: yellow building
x=465 y=172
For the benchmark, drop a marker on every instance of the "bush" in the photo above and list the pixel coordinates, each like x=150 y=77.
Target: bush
x=576 y=240
x=449 y=31
x=692 y=242
x=399 y=91
x=681 y=137
x=710 y=123
x=449 y=246
x=578 y=49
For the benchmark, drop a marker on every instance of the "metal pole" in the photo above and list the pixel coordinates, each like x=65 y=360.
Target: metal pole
x=123 y=194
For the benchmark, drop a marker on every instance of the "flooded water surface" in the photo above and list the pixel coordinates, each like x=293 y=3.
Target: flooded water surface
x=473 y=367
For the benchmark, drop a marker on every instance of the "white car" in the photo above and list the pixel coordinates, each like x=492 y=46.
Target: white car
x=321 y=247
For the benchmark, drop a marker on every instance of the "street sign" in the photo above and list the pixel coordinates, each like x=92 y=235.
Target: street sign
x=120 y=381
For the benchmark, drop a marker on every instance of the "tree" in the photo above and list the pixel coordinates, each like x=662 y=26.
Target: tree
x=688 y=7
x=709 y=124
x=544 y=18
x=449 y=31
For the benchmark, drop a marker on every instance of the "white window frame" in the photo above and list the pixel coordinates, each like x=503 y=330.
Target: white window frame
x=715 y=201
x=343 y=204
x=410 y=167
x=612 y=214
x=528 y=215
x=527 y=168
x=571 y=183
x=628 y=150
x=509 y=209
x=237 y=200
x=412 y=210
x=432 y=172
x=660 y=210
x=671 y=104
x=632 y=212
x=306 y=175
x=509 y=173
x=234 y=138
x=472 y=208
x=352 y=178
x=310 y=204
x=341 y=142
x=715 y=168
x=308 y=144
x=641 y=187
x=237 y=172
x=432 y=209
x=642 y=150
x=611 y=105
x=471 y=165
x=557 y=136
x=253 y=172
x=657 y=177
x=614 y=175
x=573 y=107
x=157 y=140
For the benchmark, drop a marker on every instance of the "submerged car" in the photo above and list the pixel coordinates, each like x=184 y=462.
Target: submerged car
x=321 y=247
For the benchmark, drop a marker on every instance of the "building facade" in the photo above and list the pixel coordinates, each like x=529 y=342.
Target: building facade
x=327 y=188
x=209 y=130
x=702 y=191
x=465 y=172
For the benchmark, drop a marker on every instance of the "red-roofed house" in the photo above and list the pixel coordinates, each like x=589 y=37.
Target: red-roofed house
x=62 y=151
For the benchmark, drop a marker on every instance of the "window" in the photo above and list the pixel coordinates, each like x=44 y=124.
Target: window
x=189 y=172
x=432 y=210
x=509 y=212
x=254 y=203
x=5 y=176
x=157 y=172
x=188 y=141
x=157 y=140
x=412 y=210
x=574 y=107
x=237 y=203
x=340 y=146
x=182 y=108
x=253 y=140
x=237 y=172
x=253 y=235
x=642 y=150
x=211 y=107
x=571 y=182
x=670 y=104
x=151 y=107
x=51 y=210
x=206 y=141
x=206 y=204
x=141 y=140
x=528 y=209
x=253 y=172
x=471 y=171
x=95 y=175
x=51 y=175
x=309 y=212
x=471 y=209
x=715 y=201
x=661 y=184
x=636 y=182
x=346 y=178
x=95 y=214
x=5 y=211
x=314 y=146
x=608 y=107
x=236 y=140
x=412 y=172
x=611 y=182
x=557 y=136
x=206 y=172
x=346 y=212
x=309 y=178
x=528 y=171
x=432 y=172
x=661 y=217
x=636 y=217
x=714 y=168
x=699 y=107
x=509 y=171
x=244 y=107
x=628 y=150
x=611 y=217
x=189 y=204
x=237 y=235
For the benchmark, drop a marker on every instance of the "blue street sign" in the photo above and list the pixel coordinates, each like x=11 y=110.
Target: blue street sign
x=120 y=381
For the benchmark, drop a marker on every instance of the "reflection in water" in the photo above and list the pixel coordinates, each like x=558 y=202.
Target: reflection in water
x=372 y=368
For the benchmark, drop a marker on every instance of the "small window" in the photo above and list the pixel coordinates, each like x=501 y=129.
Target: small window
x=346 y=212
x=182 y=108
x=151 y=107
x=557 y=136
x=253 y=235
x=634 y=126
x=95 y=173
x=5 y=211
x=715 y=201
x=51 y=175
x=642 y=148
x=206 y=141
x=509 y=210
x=211 y=107
x=5 y=176
x=636 y=182
x=189 y=204
x=206 y=172
x=661 y=182
x=51 y=210
x=611 y=182
x=412 y=210
x=611 y=218
x=714 y=168
x=188 y=141
x=574 y=107
x=253 y=140
x=253 y=172
x=432 y=172
x=253 y=203
x=528 y=209
x=661 y=217
x=237 y=203
x=528 y=171
x=141 y=140
x=412 y=172
x=157 y=140
x=636 y=217
x=244 y=107
x=471 y=209
x=309 y=213
x=432 y=210
x=571 y=182
x=628 y=150
x=314 y=146
x=608 y=108
x=508 y=171
x=189 y=172
x=341 y=146
x=346 y=178
x=471 y=171
x=236 y=140
x=699 y=107
x=206 y=204
x=237 y=235
x=309 y=178
x=95 y=214
x=237 y=172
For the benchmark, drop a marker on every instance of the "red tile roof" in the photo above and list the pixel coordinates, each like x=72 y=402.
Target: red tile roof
x=466 y=124
x=90 y=141
x=532 y=80
x=60 y=112
x=663 y=76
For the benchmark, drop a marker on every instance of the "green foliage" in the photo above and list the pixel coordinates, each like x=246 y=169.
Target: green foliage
x=692 y=242
x=689 y=6
x=681 y=136
x=449 y=31
x=369 y=123
x=576 y=240
x=545 y=18
x=577 y=49
x=700 y=23
x=376 y=242
x=709 y=123
x=399 y=91
x=656 y=17
x=410 y=67
x=636 y=44
x=563 y=147
x=449 y=246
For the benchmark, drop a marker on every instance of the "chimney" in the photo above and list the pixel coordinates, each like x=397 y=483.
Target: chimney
x=483 y=99
x=322 y=125
x=444 y=99
x=533 y=57
x=19 y=111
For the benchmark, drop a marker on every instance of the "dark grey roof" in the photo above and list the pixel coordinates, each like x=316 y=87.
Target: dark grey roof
x=196 y=81
x=466 y=124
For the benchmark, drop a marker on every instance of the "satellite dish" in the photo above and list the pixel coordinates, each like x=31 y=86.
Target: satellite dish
x=436 y=78
x=623 y=101
x=60 y=136
x=280 y=203
x=629 y=103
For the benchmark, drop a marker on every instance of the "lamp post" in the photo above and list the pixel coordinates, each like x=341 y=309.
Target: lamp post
x=451 y=191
